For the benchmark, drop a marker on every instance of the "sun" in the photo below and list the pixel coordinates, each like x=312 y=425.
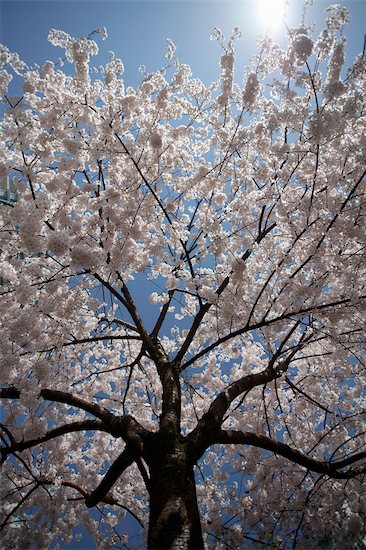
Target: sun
x=272 y=13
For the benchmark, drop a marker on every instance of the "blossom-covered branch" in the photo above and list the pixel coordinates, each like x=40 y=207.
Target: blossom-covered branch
x=332 y=469
x=120 y=426
x=183 y=265
x=122 y=462
x=51 y=434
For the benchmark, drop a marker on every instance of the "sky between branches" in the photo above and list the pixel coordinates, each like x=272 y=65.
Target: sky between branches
x=137 y=29
x=137 y=32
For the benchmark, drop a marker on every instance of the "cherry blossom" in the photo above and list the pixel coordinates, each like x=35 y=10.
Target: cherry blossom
x=182 y=299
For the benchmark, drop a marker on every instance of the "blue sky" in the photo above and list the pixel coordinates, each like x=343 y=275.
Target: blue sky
x=138 y=29
x=137 y=32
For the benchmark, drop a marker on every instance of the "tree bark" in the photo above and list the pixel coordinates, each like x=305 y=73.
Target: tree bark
x=174 y=516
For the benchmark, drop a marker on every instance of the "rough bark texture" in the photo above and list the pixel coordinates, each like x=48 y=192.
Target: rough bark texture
x=174 y=516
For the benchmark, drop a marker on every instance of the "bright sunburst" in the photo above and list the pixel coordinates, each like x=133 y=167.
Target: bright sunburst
x=272 y=12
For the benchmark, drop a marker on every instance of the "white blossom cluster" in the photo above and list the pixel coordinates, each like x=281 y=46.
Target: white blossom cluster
x=225 y=221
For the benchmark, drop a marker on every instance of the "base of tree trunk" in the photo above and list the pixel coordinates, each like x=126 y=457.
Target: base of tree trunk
x=174 y=515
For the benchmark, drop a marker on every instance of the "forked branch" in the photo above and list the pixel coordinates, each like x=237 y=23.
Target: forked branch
x=124 y=460
x=206 y=307
x=51 y=434
x=124 y=426
x=331 y=469
x=205 y=432
x=66 y=398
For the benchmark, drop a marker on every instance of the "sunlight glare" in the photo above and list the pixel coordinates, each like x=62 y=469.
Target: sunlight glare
x=271 y=13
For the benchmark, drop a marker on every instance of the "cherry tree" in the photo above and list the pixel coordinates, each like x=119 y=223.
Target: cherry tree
x=228 y=412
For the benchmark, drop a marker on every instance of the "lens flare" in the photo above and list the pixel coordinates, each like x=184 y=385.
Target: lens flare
x=272 y=13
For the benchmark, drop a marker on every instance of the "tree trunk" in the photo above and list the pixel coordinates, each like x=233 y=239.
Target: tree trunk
x=174 y=516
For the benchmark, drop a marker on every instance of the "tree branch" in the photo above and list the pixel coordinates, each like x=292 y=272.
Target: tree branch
x=135 y=163
x=122 y=462
x=331 y=223
x=132 y=310
x=102 y=338
x=66 y=398
x=124 y=426
x=265 y=323
x=207 y=428
x=111 y=289
x=51 y=434
x=18 y=505
x=205 y=307
x=296 y=389
x=331 y=469
x=164 y=311
x=107 y=499
x=167 y=371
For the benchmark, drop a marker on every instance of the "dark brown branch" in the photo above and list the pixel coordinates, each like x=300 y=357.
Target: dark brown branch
x=279 y=350
x=296 y=389
x=111 y=289
x=102 y=338
x=107 y=499
x=259 y=295
x=164 y=311
x=66 y=398
x=124 y=460
x=132 y=310
x=135 y=163
x=51 y=434
x=205 y=307
x=18 y=505
x=331 y=469
x=207 y=428
x=331 y=223
x=220 y=405
x=168 y=374
x=143 y=473
x=118 y=322
x=265 y=323
x=120 y=426
x=9 y=393
x=131 y=367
